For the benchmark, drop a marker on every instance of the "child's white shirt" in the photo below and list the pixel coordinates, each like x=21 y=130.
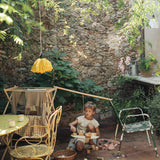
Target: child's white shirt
x=83 y=123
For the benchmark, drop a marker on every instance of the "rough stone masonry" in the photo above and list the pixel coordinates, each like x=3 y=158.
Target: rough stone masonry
x=96 y=55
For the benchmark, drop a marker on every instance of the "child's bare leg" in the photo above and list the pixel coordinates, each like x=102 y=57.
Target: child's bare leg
x=91 y=142
x=79 y=145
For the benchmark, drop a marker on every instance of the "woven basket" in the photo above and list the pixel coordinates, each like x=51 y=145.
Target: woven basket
x=65 y=155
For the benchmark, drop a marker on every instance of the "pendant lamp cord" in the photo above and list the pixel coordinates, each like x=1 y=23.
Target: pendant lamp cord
x=40 y=33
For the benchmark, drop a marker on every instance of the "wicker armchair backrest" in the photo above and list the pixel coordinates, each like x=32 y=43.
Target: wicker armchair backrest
x=53 y=122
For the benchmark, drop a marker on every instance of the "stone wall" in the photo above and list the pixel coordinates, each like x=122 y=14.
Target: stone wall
x=98 y=50
x=99 y=46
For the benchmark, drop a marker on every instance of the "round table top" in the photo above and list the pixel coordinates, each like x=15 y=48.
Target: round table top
x=4 y=124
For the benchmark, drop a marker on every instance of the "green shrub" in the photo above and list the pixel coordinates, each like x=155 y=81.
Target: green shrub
x=127 y=95
x=136 y=99
x=120 y=80
x=64 y=75
x=3 y=98
x=153 y=109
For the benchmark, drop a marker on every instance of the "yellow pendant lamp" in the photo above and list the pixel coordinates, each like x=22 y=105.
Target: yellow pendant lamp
x=41 y=65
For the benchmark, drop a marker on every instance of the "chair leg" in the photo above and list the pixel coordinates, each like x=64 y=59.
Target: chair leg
x=149 y=141
x=47 y=157
x=154 y=142
x=121 y=139
x=116 y=131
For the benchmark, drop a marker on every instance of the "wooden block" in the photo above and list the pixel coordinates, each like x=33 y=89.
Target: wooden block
x=100 y=158
x=88 y=151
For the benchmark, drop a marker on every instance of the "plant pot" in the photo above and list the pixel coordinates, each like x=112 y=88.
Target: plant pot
x=146 y=74
x=149 y=73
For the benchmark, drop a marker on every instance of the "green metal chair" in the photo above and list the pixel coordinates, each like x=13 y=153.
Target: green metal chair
x=134 y=120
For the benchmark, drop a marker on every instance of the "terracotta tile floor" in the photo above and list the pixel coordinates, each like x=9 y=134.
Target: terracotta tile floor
x=134 y=146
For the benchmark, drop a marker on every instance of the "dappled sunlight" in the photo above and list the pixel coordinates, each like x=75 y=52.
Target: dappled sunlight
x=2 y=131
x=81 y=53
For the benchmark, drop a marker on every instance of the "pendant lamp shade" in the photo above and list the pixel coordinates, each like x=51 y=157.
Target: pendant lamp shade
x=42 y=65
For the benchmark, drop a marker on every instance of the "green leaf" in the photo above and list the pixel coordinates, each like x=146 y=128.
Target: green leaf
x=2 y=35
x=7 y=19
x=19 y=57
x=61 y=68
x=27 y=8
x=8 y=8
x=69 y=85
x=150 y=44
x=17 y=39
x=62 y=100
x=120 y=4
x=76 y=81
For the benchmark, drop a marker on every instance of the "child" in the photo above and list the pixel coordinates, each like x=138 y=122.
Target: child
x=85 y=123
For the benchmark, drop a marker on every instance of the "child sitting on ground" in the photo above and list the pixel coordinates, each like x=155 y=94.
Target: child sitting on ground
x=85 y=123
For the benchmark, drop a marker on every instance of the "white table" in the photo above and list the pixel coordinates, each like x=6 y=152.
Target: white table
x=150 y=80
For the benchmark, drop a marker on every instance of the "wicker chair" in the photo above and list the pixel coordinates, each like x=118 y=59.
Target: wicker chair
x=38 y=146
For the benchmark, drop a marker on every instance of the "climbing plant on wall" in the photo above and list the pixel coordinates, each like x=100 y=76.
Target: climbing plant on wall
x=129 y=25
x=16 y=19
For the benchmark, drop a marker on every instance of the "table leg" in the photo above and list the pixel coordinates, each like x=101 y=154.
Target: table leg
x=4 y=154
x=6 y=139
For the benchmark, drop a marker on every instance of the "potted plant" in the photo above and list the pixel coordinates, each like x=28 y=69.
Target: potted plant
x=145 y=65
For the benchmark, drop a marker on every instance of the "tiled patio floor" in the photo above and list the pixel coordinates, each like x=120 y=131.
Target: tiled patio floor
x=134 y=147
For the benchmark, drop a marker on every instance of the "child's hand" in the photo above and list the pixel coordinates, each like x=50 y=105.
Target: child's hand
x=73 y=129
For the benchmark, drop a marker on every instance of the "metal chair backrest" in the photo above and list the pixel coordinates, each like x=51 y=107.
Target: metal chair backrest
x=131 y=112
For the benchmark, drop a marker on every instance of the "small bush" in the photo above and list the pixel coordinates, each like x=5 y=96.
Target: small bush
x=64 y=75
x=153 y=109
x=128 y=94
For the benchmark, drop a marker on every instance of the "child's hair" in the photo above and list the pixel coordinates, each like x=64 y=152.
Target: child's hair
x=91 y=105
